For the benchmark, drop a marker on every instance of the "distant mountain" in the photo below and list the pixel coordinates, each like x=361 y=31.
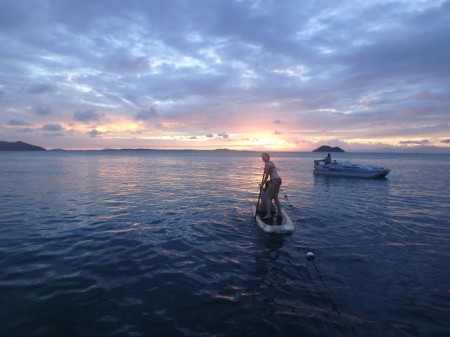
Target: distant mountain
x=326 y=148
x=19 y=146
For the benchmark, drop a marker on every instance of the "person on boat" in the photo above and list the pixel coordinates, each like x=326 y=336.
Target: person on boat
x=273 y=188
x=327 y=159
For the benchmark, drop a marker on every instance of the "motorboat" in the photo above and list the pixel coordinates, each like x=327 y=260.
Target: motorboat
x=330 y=167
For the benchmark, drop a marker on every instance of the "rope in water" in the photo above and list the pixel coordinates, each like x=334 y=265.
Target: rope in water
x=310 y=257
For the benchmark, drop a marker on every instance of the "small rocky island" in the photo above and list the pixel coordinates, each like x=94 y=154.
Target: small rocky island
x=19 y=146
x=326 y=148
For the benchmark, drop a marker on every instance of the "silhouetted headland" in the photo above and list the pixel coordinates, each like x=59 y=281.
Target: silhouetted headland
x=326 y=148
x=19 y=146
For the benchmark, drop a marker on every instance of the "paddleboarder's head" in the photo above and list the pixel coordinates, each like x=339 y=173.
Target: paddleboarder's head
x=265 y=157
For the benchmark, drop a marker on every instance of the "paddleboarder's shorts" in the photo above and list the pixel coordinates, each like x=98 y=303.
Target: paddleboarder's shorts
x=277 y=180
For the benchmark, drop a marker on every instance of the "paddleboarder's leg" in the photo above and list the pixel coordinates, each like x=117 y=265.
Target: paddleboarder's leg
x=275 y=191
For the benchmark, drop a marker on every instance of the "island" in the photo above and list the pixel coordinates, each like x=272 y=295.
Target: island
x=19 y=146
x=326 y=148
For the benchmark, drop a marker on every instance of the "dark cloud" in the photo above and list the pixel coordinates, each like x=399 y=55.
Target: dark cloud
x=148 y=114
x=39 y=89
x=415 y=142
x=13 y=16
x=126 y=63
x=16 y=122
x=52 y=127
x=86 y=116
x=94 y=133
x=54 y=134
x=42 y=110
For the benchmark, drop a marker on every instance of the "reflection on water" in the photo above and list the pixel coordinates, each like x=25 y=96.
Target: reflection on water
x=163 y=243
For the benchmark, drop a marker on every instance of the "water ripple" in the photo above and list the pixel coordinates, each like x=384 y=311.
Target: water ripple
x=136 y=244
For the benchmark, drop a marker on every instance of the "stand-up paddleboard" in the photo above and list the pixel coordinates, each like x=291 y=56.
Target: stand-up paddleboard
x=274 y=225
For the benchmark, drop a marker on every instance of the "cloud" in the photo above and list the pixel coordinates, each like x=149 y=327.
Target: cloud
x=86 y=116
x=42 y=110
x=41 y=88
x=25 y=130
x=148 y=114
x=415 y=142
x=223 y=135
x=52 y=127
x=54 y=134
x=210 y=135
x=16 y=122
x=445 y=141
x=94 y=133
x=124 y=62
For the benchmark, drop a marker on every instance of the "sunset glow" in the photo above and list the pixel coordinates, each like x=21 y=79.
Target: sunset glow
x=277 y=77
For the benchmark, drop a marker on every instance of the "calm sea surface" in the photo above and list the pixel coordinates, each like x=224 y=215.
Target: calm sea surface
x=162 y=243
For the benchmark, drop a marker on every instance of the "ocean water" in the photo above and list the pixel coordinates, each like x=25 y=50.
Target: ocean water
x=162 y=243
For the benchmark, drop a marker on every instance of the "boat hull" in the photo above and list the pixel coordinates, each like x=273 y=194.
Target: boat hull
x=374 y=174
x=353 y=171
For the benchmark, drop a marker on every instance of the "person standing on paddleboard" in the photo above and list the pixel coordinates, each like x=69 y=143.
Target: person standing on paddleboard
x=273 y=189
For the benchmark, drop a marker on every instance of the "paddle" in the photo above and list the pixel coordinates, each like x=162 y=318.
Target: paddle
x=259 y=196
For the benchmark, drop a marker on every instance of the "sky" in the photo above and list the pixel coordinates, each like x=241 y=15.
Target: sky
x=284 y=75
